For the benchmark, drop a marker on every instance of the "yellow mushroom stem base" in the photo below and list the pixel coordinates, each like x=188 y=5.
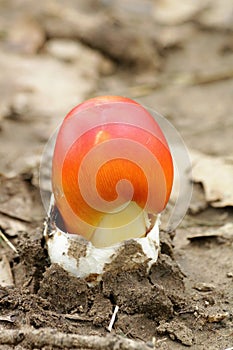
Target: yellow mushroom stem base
x=85 y=260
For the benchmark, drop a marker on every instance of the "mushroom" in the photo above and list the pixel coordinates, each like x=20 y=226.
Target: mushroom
x=112 y=176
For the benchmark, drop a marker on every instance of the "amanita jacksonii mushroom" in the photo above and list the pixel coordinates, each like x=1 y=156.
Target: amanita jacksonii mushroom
x=112 y=176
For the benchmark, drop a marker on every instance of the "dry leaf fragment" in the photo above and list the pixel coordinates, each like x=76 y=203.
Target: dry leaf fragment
x=6 y=278
x=27 y=96
x=11 y=227
x=26 y=36
x=225 y=231
x=218 y=15
x=19 y=201
x=204 y=287
x=69 y=50
x=217 y=317
x=229 y=274
x=216 y=176
x=172 y=12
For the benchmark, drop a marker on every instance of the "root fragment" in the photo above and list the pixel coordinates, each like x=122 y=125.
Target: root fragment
x=49 y=337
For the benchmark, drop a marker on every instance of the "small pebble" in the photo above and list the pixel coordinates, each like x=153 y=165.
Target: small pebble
x=204 y=287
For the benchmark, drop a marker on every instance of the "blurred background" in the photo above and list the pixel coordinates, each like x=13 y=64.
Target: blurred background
x=171 y=55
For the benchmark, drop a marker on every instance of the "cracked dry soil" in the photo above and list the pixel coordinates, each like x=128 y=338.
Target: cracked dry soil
x=50 y=297
x=159 y=309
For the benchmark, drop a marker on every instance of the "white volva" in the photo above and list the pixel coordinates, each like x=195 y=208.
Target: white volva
x=83 y=258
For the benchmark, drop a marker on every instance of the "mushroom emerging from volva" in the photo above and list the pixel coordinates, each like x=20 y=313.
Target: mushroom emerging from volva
x=112 y=176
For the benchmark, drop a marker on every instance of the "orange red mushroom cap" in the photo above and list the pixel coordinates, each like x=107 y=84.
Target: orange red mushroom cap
x=109 y=151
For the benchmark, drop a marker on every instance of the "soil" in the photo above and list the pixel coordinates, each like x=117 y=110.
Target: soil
x=178 y=62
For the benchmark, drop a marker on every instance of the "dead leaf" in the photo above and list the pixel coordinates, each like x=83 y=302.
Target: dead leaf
x=216 y=176
x=99 y=31
x=36 y=93
x=19 y=201
x=216 y=317
x=25 y=36
x=204 y=287
x=225 y=231
x=65 y=49
x=172 y=12
x=11 y=227
x=6 y=278
x=68 y=50
x=218 y=15
x=175 y=36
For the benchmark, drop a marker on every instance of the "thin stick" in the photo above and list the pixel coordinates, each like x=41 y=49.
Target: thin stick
x=29 y=337
x=113 y=318
x=5 y=239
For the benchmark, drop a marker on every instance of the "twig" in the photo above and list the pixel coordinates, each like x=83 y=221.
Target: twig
x=113 y=318
x=50 y=337
x=7 y=318
x=76 y=317
x=6 y=240
x=13 y=216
